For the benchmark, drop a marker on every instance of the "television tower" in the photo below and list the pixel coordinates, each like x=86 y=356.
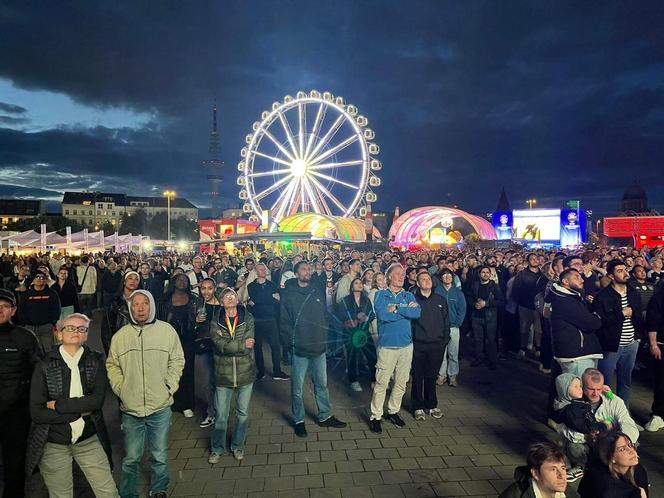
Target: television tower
x=213 y=165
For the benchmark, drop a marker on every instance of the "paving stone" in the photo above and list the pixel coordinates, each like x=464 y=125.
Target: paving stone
x=278 y=483
x=424 y=475
x=480 y=473
x=322 y=468
x=246 y=485
x=385 y=453
x=314 y=481
x=453 y=474
x=376 y=464
x=449 y=489
x=387 y=491
x=188 y=488
x=333 y=455
x=238 y=472
x=395 y=476
x=356 y=492
x=410 y=452
x=325 y=493
x=294 y=447
x=403 y=463
x=265 y=471
x=319 y=445
x=293 y=469
x=254 y=460
x=367 y=478
x=478 y=487
x=350 y=466
x=368 y=443
x=278 y=458
x=348 y=444
x=359 y=454
x=268 y=448
x=339 y=480
x=307 y=456
x=418 y=490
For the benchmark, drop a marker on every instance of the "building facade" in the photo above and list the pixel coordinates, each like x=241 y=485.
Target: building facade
x=96 y=208
x=14 y=210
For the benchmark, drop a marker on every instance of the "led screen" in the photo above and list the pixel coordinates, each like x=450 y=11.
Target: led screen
x=537 y=224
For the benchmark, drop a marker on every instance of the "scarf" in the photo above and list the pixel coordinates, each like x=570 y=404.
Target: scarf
x=75 y=389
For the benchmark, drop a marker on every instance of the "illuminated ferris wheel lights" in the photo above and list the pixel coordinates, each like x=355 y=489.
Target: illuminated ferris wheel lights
x=312 y=165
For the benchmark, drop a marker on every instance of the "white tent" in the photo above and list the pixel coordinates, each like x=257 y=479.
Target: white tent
x=82 y=240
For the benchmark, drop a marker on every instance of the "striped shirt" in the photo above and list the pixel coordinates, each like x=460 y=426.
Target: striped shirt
x=627 y=333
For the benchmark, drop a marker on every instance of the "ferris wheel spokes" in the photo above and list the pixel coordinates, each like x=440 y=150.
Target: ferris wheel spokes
x=272 y=158
x=329 y=194
x=333 y=150
x=328 y=136
x=332 y=179
x=269 y=173
x=284 y=199
x=336 y=165
x=279 y=146
x=320 y=115
x=289 y=135
x=302 y=115
x=272 y=188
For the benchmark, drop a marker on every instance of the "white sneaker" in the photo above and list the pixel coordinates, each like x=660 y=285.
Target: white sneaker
x=188 y=413
x=656 y=423
x=436 y=413
x=214 y=458
x=355 y=386
x=238 y=454
x=419 y=415
x=206 y=422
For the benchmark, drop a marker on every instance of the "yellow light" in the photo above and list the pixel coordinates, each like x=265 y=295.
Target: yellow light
x=169 y=193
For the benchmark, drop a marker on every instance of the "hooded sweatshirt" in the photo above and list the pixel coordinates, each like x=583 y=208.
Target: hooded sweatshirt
x=575 y=416
x=145 y=363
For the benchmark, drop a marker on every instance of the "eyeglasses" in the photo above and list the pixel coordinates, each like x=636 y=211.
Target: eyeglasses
x=40 y=277
x=71 y=328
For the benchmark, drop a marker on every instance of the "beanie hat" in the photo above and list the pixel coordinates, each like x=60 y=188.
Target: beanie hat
x=7 y=295
x=130 y=272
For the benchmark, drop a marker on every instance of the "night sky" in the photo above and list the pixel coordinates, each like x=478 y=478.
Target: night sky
x=553 y=100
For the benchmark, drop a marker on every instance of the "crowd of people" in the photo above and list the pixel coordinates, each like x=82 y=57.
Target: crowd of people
x=584 y=317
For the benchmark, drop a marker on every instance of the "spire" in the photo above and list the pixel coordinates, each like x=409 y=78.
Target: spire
x=214 y=165
x=503 y=203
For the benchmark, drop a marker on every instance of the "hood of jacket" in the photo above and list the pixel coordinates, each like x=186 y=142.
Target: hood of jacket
x=563 y=383
x=153 y=308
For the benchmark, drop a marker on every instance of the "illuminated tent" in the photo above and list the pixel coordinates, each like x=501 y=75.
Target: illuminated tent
x=327 y=227
x=414 y=226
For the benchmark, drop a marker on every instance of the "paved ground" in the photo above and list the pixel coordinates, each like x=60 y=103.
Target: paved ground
x=489 y=421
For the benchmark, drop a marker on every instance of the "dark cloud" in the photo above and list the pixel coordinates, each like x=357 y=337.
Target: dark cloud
x=12 y=120
x=12 y=108
x=552 y=100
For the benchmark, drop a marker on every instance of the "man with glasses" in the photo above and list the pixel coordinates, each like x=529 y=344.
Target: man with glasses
x=39 y=310
x=19 y=353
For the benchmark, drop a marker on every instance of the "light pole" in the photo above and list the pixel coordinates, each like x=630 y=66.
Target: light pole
x=170 y=194
x=531 y=202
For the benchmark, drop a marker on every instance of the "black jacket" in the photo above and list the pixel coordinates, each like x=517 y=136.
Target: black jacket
x=19 y=353
x=50 y=381
x=607 y=305
x=523 y=486
x=578 y=416
x=655 y=315
x=67 y=293
x=348 y=309
x=524 y=288
x=598 y=482
x=116 y=316
x=303 y=319
x=433 y=325
x=573 y=325
x=494 y=300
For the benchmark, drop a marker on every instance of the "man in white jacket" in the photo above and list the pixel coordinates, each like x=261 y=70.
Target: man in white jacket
x=608 y=408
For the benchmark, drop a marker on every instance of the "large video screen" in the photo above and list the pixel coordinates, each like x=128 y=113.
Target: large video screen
x=537 y=224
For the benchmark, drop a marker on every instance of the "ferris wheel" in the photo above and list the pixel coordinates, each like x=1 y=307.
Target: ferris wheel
x=310 y=153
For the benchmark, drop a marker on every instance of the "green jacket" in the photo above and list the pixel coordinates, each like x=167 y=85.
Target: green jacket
x=144 y=365
x=234 y=363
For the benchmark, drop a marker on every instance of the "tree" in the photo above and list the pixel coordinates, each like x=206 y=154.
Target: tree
x=158 y=226
x=136 y=224
x=182 y=228
x=108 y=228
x=53 y=224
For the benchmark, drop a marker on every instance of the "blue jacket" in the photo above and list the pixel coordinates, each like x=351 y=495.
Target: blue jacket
x=456 y=304
x=394 y=329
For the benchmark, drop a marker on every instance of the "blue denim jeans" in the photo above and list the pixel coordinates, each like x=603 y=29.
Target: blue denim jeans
x=318 y=368
x=622 y=363
x=155 y=428
x=450 y=366
x=223 y=397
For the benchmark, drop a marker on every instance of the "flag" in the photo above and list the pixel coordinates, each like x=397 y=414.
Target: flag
x=573 y=204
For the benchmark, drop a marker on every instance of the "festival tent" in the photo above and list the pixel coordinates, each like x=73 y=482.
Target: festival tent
x=83 y=240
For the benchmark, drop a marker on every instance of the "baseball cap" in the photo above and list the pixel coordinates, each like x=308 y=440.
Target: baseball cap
x=7 y=295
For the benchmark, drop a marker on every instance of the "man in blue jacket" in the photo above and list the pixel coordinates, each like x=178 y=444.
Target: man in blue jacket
x=456 y=304
x=395 y=309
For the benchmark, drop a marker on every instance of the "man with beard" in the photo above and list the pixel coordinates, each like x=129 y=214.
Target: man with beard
x=196 y=275
x=486 y=299
x=576 y=346
x=619 y=307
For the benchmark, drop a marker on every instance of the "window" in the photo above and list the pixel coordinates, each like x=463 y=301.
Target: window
x=90 y=212
x=100 y=206
x=66 y=211
x=109 y=206
x=113 y=213
x=75 y=211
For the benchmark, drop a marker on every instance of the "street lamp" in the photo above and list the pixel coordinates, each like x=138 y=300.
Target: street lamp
x=531 y=202
x=170 y=194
